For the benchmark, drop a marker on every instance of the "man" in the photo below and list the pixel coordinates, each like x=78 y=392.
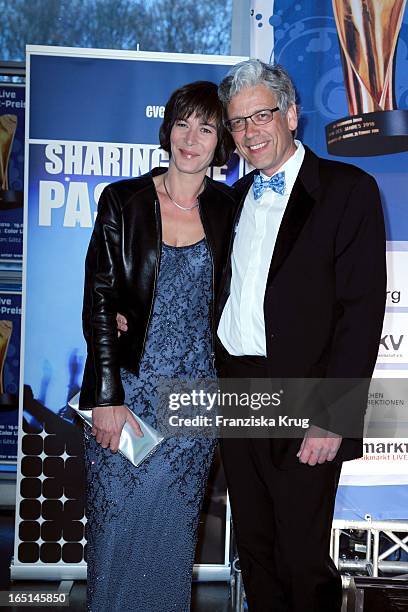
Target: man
x=303 y=297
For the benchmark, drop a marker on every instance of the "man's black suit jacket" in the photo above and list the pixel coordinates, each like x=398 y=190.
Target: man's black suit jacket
x=325 y=294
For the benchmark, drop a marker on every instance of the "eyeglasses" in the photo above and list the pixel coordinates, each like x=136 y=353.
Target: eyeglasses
x=259 y=118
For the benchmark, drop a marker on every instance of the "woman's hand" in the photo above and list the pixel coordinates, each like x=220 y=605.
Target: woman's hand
x=108 y=422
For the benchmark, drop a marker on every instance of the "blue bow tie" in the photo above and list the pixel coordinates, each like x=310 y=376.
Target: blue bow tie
x=276 y=183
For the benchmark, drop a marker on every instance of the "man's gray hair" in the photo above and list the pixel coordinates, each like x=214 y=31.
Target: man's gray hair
x=253 y=72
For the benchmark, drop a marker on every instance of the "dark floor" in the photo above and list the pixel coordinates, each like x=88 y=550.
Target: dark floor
x=6 y=546
x=208 y=597
x=379 y=596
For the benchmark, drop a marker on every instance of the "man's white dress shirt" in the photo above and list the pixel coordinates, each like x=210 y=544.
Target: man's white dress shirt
x=242 y=326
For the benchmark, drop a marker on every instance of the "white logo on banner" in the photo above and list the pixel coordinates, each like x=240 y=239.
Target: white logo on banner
x=154 y=111
x=394 y=338
x=385 y=462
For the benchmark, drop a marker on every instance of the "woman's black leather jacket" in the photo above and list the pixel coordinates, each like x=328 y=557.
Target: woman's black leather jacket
x=121 y=270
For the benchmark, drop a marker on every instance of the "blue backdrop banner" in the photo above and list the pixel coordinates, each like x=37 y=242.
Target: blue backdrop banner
x=349 y=62
x=93 y=118
x=339 y=74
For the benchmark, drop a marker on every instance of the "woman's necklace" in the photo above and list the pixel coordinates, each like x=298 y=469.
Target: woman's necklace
x=185 y=208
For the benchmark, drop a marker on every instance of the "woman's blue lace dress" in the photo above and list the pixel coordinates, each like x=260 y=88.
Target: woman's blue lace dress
x=142 y=522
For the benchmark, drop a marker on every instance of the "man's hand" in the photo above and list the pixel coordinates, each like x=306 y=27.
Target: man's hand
x=318 y=446
x=108 y=422
x=121 y=323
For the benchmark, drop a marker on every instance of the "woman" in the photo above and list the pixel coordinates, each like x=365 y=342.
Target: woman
x=156 y=255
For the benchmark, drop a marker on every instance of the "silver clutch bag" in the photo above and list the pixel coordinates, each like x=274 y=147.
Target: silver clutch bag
x=130 y=445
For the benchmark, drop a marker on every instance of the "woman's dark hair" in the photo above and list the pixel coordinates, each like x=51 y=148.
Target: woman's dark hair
x=199 y=98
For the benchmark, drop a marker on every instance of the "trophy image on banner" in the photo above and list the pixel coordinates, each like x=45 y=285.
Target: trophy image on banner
x=8 y=197
x=368 y=33
x=6 y=328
